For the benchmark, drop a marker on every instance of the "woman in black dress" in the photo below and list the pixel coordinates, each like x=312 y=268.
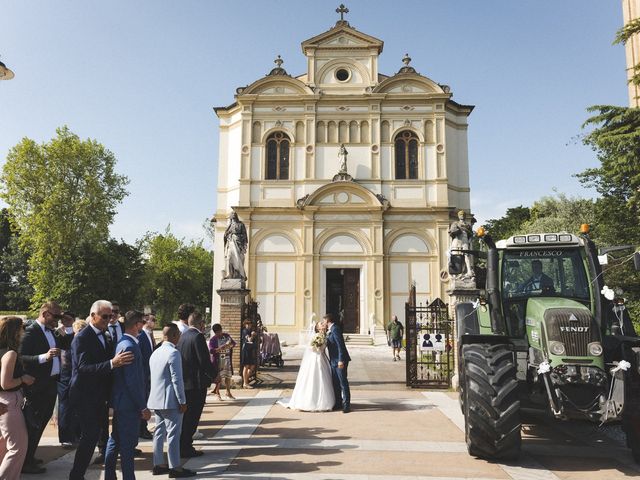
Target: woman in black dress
x=248 y=353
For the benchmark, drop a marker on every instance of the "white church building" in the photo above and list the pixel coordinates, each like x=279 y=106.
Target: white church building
x=348 y=244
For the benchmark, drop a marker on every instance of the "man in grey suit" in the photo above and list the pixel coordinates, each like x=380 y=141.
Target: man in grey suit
x=168 y=401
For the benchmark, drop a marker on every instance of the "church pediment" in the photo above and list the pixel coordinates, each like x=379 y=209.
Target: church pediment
x=409 y=83
x=344 y=195
x=342 y=35
x=276 y=85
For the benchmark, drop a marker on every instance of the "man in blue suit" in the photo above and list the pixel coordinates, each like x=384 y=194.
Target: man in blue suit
x=128 y=399
x=339 y=360
x=91 y=370
x=169 y=402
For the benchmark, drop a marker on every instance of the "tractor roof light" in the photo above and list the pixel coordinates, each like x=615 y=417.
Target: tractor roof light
x=551 y=237
x=565 y=237
x=584 y=228
x=520 y=239
x=481 y=232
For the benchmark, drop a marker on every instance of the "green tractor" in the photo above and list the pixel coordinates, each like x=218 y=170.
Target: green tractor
x=546 y=336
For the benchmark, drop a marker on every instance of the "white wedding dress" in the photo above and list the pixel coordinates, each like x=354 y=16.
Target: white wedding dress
x=314 y=388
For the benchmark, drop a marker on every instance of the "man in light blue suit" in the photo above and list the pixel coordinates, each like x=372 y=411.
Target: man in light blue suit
x=128 y=399
x=168 y=401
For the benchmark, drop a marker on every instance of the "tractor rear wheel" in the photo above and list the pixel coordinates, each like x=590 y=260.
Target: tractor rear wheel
x=491 y=405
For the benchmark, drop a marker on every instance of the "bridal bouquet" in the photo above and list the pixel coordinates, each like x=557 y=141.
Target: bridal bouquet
x=318 y=341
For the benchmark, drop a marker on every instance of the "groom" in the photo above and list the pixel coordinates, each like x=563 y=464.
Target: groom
x=339 y=359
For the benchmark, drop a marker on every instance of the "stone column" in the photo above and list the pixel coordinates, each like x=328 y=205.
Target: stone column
x=459 y=293
x=233 y=295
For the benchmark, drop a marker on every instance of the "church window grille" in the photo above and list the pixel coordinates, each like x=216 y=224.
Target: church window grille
x=406 y=155
x=278 y=156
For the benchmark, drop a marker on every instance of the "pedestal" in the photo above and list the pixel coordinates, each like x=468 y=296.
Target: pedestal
x=461 y=292
x=232 y=302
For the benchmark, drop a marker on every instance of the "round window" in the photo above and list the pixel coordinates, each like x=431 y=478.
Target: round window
x=342 y=74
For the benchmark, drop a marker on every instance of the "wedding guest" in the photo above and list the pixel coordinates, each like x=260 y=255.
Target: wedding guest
x=68 y=426
x=129 y=402
x=220 y=346
x=184 y=311
x=168 y=401
x=13 y=430
x=40 y=352
x=395 y=333
x=149 y=325
x=197 y=373
x=92 y=367
x=116 y=327
x=146 y=348
x=248 y=353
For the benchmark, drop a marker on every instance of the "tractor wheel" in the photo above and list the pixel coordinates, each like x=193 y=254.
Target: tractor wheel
x=461 y=383
x=631 y=427
x=491 y=405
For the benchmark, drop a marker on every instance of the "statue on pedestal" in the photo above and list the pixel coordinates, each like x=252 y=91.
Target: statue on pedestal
x=235 y=248
x=461 y=262
x=342 y=157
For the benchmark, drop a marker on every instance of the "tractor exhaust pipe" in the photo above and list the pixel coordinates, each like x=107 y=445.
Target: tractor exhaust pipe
x=493 y=287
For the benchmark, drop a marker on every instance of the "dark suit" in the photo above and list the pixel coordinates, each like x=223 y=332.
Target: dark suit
x=197 y=373
x=68 y=426
x=146 y=348
x=338 y=353
x=88 y=393
x=41 y=396
x=128 y=399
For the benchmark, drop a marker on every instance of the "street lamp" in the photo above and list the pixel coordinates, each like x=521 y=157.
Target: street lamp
x=5 y=73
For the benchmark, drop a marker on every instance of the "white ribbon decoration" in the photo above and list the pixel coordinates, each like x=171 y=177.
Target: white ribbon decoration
x=543 y=368
x=476 y=304
x=622 y=365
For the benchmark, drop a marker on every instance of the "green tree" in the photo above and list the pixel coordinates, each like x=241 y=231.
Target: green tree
x=510 y=224
x=63 y=196
x=176 y=272
x=559 y=213
x=15 y=289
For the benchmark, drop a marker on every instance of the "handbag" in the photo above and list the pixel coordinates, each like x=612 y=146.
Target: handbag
x=31 y=416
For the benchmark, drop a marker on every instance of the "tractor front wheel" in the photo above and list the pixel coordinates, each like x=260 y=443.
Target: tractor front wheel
x=491 y=404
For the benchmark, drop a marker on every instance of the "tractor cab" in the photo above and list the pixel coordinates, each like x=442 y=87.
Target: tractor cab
x=536 y=266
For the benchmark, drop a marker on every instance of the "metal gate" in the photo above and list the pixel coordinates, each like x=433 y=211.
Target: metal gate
x=429 y=343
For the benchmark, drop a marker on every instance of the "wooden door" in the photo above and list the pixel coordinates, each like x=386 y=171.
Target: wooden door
x=351 y=300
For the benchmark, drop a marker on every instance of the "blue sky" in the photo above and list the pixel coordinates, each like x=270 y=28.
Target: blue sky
x=142 y=78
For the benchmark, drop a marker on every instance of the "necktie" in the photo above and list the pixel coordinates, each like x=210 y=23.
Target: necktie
x=114 y=334
x=102 y=339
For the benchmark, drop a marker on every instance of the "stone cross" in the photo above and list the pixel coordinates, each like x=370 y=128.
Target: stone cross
x=342 y=10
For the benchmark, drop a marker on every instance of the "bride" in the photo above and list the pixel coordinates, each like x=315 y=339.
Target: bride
x=314 y=388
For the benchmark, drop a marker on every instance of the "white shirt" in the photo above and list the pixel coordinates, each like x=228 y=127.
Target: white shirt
x=149 y=334
x=181 y=326
x=55 y=368
x=118 y=329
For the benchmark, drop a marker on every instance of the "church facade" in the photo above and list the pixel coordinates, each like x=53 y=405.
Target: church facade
x=351 y=242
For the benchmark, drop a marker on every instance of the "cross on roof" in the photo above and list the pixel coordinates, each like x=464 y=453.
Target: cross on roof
x=342 y=10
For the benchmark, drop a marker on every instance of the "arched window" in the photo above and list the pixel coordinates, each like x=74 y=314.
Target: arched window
x=277 y=156
x=406 y=155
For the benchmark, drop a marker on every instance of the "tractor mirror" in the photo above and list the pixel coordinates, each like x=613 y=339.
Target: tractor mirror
x=636 y=260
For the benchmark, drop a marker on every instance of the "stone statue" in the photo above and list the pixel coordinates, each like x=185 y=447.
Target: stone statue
x=235 y=247
x=461 y=233
x=342 y=157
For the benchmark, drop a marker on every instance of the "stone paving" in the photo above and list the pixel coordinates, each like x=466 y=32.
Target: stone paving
x=392 y=433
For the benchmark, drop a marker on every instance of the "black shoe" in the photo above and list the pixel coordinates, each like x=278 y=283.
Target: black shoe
x=181 y=473
x=37 y=461
x=99 y=460
x=192 y=454
x=33 y=468
x=137 y=453
x=160 y=470
x=336 y=408
x=146 y=435
x=346 y=409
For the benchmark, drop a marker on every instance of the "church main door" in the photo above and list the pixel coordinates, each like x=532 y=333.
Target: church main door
x=343 y=296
